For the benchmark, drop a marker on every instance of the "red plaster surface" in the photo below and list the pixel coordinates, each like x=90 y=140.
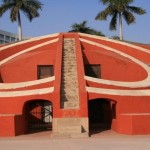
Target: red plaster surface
x=114 y=67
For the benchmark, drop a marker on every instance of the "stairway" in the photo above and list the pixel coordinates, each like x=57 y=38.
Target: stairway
x=69 y=82
x=69 y=126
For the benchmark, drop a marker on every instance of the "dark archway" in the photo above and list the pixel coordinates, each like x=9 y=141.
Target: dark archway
x=38 y=114
x=101 y=112
x=1 y=80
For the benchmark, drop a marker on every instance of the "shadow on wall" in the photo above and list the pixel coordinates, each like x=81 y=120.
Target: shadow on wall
x=1 y=80
x=38 y=115
x=101 y=112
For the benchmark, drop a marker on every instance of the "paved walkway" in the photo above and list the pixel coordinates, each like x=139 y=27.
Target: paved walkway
x=107 y=140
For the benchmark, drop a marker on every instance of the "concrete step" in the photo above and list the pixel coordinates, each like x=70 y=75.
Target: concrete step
x=70 y=129
x=69 y=91
x=69 y=83
x=60 y=135
x=69 y=98
x=71 y=59
x=70 y=73
x=65 y=81
x=71 y=135
x=67 y=68
x=68 y=47
x=72 y=104
x=72 y=85
x=80 y=135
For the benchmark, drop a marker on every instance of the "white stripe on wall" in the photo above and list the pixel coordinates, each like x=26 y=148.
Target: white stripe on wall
x=145 y=92
x=27 y=50
x=29 y=40
x=118 y=42
x=27 y=92
x=26 y=84
x=143 y=83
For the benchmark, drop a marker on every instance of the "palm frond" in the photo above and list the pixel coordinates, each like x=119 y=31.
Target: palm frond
x=128 y=17
x=34 y=4
x=29 y=7
x=101 y=16
x=137 y=10
x=13 y=14
x=83 y=28
x=113 y=22
x=108 y=2
x=83 y=24
x=105 y=13
x=121 y=7
x=30 y=12
x=5 y=1
x=95 y=32
x=105 y=1
x=5 y=7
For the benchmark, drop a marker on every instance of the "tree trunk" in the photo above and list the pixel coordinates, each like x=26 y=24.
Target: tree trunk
x=19 y=27
x=120 y=26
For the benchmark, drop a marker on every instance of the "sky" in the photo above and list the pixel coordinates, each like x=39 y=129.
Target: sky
x=58 y=16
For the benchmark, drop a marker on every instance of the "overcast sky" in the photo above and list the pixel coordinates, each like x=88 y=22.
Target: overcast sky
x=59 y=15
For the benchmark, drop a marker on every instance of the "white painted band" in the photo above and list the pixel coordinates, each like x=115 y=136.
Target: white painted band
x=29 y=40
x=26 y=84
x=116 y=41
x=27 y=92
x=143 y=83
x=136 y=114
x=145 y=92
x=28 y=50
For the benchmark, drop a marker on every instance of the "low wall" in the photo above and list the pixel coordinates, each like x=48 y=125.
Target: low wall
x=12 y=125
x=134 y=124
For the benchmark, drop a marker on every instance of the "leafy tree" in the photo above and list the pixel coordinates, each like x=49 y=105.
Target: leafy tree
x=119 y=9
x=28 y=7
x=83 y=28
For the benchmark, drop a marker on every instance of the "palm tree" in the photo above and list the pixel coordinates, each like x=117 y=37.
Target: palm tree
x=28 y=7
x=119 y=9
x=83 y=28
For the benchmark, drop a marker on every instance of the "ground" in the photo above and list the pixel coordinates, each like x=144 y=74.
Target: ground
x=106 y=140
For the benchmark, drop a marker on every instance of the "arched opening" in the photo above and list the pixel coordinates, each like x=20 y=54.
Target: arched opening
x=101 y=112
x=38 y=114
x=1 y=80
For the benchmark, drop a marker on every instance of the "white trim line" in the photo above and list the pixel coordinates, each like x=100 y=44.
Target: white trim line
x=27 y=92
x=118 y=42
x=143 y=83
x=25 y=84
x=29 y=40
x=116 y=83
x=136 y=114
x=3 y=115
x=28 y=50
x=145 y=92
